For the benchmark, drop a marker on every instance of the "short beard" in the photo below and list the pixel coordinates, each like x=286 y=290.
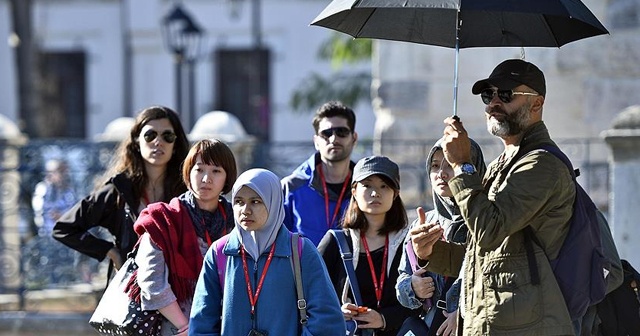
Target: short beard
x=513 y=124
x=338 y=158
x=345 y=155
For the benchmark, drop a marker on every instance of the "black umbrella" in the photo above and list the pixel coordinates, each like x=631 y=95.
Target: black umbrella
x=464 y=23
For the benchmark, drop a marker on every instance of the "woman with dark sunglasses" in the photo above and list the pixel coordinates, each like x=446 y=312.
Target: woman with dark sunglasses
x=144 y=170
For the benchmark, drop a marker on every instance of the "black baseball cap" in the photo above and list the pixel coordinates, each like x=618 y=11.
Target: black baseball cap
x=373 y=165
x=511 y=73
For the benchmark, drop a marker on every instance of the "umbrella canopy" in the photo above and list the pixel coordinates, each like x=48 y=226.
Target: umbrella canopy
x=477 y=23
x=464 y=23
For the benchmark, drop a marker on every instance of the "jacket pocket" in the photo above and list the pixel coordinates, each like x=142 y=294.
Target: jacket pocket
x=510 y=298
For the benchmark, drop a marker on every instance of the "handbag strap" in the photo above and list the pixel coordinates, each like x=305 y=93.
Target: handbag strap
x=347 y=257
x=296 y=247
x=411 y=254
x=413 y=261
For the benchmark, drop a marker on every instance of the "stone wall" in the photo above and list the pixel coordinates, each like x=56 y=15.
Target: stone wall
x=588 y=82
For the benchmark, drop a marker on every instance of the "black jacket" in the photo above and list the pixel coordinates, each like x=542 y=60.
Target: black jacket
x=113 y=207
x=394 y=313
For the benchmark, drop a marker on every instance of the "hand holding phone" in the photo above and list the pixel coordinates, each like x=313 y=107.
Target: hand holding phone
x=362 y=309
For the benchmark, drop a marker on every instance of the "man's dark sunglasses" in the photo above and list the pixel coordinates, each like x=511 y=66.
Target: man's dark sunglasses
x=506 y=96
x=167 y=136
x=339 y=131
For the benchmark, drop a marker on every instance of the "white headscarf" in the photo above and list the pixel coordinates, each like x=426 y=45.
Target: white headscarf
x=449 y=214
x=267 y=185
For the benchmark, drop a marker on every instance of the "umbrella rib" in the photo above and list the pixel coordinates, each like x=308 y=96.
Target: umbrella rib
x=548 y=26
x=365 y=21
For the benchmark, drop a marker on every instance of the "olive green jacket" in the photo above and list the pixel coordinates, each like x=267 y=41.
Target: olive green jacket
x=537 y=190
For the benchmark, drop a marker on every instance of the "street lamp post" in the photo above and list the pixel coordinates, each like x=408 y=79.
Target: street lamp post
x=183 y=38
x=193 y=33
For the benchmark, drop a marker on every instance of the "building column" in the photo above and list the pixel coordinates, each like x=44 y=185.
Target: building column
x=624 y=213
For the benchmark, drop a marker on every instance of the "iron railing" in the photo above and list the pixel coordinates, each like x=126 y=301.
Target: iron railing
x=30 y=260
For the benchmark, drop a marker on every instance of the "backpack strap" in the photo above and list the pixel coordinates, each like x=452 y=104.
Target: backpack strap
x=529 y=235
x=563 y=157
x=296 y=244
x=221 y=258
x=347 y=257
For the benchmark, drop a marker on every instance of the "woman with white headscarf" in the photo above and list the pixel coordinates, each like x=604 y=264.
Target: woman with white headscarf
x=420 y=288
x=258 y=296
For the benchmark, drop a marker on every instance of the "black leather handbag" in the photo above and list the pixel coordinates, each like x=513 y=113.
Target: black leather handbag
x=118 y=314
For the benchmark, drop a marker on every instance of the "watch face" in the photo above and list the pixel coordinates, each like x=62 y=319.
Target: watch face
x=468 y=168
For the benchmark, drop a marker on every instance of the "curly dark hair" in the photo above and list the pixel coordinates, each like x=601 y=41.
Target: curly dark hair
x=129 y=161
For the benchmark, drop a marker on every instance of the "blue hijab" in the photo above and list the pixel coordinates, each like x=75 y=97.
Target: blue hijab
x=267 y=185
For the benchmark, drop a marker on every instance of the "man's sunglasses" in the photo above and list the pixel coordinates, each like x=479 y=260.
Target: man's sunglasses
x=506 y=96
x=339 y=131
x=167 y=136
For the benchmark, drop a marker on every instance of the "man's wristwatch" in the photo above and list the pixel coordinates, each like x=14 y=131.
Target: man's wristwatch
x=465 y=168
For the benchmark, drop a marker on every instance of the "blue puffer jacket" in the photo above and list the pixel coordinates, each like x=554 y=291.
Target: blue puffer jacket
x=304 y=203
x=276 y=309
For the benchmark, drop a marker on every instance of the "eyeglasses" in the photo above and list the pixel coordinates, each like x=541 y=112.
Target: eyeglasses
x=339 y=131
x=504 y=95
x=167 y=136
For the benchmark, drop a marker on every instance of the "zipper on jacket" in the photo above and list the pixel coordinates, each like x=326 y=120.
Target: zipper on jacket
x=254 y=316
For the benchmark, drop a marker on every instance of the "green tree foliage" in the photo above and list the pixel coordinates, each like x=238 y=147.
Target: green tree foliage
x=350 y=87
x=342 y=49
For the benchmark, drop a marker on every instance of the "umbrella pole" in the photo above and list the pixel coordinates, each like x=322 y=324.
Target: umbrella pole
x=455 y=67
x=455 y=81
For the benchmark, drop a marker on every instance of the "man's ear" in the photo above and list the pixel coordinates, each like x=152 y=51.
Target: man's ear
x=537 y=104
x=315 y=142
x=355 y=136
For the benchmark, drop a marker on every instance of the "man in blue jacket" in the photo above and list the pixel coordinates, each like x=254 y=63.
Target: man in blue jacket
x=318 y=191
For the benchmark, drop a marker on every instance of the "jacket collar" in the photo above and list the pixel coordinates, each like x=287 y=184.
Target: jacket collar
x=283 y=243
x=124 y=186
x=315 y=182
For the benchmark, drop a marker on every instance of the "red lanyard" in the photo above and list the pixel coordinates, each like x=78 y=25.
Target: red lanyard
x=224 y=224
x=377 y=285
x=254 y=298
x=326 y=196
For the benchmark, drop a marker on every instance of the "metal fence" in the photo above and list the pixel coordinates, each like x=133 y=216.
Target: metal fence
x=31 y=261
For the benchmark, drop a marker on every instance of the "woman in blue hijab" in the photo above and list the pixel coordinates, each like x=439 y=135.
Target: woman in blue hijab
x=257 y=294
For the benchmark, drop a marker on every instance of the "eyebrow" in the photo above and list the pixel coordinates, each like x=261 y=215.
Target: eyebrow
x=247 y=200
